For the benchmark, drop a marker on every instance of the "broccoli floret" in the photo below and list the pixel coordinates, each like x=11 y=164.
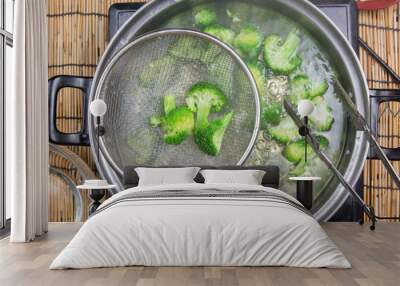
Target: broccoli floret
x=209 y=138
x=202 y=98
x=140 y=142
x=156 y=71
x=204 y=18
x=169 y=103
x=318 y=89
x=281 y=56
x=177 y=124
x=301 y=87
x=224 y=34
x=284 y=132
x=257 y=70
x=248 y=42
x=321 y=119
x=299 y=168
x=272 y=114
x=294 y=152
x=187 y=48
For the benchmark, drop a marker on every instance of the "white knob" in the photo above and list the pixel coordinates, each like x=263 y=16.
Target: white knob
x=305 y=107
x=98 y=107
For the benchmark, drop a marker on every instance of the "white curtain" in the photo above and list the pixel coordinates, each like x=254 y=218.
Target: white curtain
x=27 y=123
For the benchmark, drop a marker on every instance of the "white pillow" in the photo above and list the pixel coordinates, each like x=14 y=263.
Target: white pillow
x=166 y=176
x=247 y=177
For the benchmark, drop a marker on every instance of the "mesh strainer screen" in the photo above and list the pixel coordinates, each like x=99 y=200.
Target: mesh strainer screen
x=170 y=62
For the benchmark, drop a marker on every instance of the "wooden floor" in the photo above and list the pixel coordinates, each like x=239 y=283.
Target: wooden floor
x=375 y=257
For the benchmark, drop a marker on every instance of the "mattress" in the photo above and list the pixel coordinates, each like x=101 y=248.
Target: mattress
x=201 y=225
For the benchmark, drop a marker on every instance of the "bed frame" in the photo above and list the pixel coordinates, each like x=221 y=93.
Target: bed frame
x=270 y=179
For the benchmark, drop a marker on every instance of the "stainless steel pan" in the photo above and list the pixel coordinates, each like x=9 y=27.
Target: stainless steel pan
x=354 y=147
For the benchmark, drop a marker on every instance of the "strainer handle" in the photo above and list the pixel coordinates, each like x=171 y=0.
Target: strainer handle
x=55 y=85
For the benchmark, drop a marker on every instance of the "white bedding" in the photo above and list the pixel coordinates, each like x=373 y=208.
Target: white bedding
x=203 y=231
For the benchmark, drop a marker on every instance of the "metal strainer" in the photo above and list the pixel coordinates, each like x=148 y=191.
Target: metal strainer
x=169 y=62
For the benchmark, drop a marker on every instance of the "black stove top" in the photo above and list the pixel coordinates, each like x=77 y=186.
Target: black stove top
x=342 y=12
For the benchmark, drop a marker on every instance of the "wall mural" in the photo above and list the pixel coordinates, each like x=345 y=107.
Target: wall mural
x=75 y=50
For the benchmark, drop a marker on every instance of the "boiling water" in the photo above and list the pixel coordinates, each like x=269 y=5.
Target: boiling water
x=315 y=64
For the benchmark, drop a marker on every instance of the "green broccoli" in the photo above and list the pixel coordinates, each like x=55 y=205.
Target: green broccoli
x=299 y=168
x=177 y=124
x=318 y=89
x=284 y=132
x=257 y=70
x=204 y=18
x=169 y=103
x=301 y=87
x=272 y=114
x=140 y=142
x=281 y=56
x=156 y=71
x=203 y=98
x=321 y=119
x=209 y=139
x=294 y=152
x=226 y=35
x=248 y=42
x=187 y=48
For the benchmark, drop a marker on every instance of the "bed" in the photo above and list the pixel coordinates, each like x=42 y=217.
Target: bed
x=197 y=224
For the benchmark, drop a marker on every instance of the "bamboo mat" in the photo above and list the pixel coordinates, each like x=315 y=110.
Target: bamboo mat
x=77 y=33
x=381 y=30
x=78 y=37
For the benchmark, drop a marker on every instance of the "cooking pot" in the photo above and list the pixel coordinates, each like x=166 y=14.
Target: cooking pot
x=353 y=146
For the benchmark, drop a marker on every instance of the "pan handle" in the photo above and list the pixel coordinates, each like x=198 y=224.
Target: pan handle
x=55 y=84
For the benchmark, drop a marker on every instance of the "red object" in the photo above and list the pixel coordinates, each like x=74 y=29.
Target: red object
x=375 y=4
